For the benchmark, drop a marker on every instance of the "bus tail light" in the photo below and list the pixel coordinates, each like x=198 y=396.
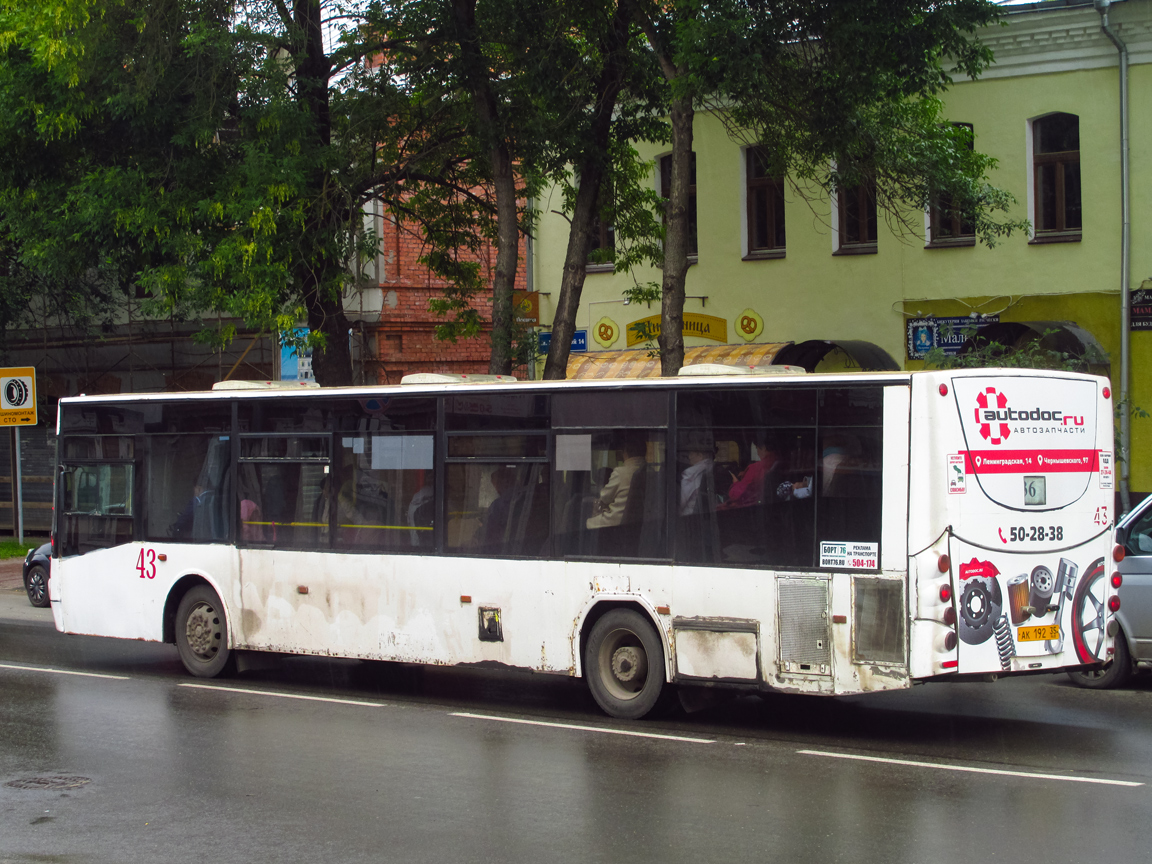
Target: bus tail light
x=943 y=389
x=945 y=593
x=950 y=616
x=1113 y=603
x=1107 y=393
x=950 y=664
x=1117 y=580
x=1118 y=553
x=943 y=563
x=950 y=642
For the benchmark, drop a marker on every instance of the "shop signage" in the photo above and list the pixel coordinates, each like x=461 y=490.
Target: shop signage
x=948 y=333
x=18 y=396
x=526 y=307
x=749 y=324
x=700 y=326
x=1142 y=307
x=606 y=332
x=579 y=341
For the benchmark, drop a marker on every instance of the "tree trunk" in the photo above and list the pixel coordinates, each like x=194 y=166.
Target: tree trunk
x=321 y=280
x=591 y=178
x=332 y=363
x=507 y=258
x=575 y=268
x=490 y=129
x=671 y=339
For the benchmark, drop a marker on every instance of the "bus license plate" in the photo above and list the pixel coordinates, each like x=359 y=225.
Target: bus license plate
x=1035 y=634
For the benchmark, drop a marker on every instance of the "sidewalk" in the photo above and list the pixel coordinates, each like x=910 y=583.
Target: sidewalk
x=12 y=574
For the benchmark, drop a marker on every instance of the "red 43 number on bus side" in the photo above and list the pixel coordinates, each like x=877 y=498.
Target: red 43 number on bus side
x=146 y=564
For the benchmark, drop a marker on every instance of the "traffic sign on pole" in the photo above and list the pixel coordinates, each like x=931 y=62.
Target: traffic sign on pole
x=18 y=396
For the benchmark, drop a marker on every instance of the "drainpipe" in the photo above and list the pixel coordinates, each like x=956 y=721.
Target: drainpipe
x=1125 y=256
x=530 y=274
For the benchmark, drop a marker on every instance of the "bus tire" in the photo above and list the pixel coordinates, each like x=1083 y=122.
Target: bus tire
x=624 y=664
x=1116 y=675
x=202 y=633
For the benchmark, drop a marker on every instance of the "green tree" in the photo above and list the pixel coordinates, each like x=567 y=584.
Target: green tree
x=222 y=156
x=835 y=92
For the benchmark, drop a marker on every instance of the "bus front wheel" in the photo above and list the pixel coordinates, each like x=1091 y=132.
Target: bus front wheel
x=624 y=663
x=202 y=633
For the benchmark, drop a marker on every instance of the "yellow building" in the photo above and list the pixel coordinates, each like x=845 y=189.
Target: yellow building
x=1048 y=110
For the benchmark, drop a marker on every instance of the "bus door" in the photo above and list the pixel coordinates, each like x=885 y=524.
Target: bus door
x=98 y=507
x=1027 y=526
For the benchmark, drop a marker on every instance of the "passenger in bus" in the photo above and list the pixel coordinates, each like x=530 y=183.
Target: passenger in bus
x=694 y=490
x=748 y=490
x=190 y=518
x=841 y=466
x=613 y=498
x=503 y=480
x=420 y=511
x=251 y=529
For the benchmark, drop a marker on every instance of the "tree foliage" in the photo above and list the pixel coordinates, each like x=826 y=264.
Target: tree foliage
x=221 y=154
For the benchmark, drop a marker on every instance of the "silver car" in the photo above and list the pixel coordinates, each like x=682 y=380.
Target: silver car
x=1134 y=637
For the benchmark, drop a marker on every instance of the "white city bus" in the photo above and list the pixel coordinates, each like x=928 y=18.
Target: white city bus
x=827 y=534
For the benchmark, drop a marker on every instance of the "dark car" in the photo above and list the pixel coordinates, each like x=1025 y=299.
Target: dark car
x=36 y=568
x=1134 y=619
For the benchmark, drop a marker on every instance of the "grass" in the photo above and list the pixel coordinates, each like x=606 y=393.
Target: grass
x=13 y=549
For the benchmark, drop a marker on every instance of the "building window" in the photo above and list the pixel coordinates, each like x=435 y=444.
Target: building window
x=602 y=236
x=765 y=194
x=857 y=219
x=947 y=225
x=665 y=191
x=1056 y=175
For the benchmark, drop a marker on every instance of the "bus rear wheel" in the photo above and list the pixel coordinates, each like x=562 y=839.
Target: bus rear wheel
x=624 y=663
x=202 y=633
x=1116 y=675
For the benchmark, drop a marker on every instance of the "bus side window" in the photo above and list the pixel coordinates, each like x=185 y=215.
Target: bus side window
x=188 y=486
x=98 y=509
x=609 y=497
x=285 y=488
x=849 y=485
x=385 y=491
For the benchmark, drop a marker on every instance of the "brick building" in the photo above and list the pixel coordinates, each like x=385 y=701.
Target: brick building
x=406 y=329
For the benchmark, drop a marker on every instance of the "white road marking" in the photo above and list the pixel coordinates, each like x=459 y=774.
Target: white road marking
x=286 y=695
x=584 y=728
x=63 y=672
x=942 y=767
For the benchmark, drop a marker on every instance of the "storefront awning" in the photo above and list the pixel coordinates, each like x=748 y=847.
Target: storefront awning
x=867 y=355
x=637 y=363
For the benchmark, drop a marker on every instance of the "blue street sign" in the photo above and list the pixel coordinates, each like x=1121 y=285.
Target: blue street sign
x=579 y=341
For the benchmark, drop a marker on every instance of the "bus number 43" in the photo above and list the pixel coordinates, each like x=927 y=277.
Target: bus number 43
x=146 y=564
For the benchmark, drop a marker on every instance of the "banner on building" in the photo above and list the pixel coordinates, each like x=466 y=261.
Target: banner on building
x=1141 y=300
x=948 y=334
x=296 y=365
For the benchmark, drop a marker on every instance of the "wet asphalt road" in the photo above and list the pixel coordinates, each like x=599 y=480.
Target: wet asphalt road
x=394 y=773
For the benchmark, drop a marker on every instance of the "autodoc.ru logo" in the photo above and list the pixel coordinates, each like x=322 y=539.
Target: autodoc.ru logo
x=993 y=411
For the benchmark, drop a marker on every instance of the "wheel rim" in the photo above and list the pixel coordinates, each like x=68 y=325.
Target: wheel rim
x=37 y=586
x=623 y=664
x=204 y=631
x=1090 y=614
